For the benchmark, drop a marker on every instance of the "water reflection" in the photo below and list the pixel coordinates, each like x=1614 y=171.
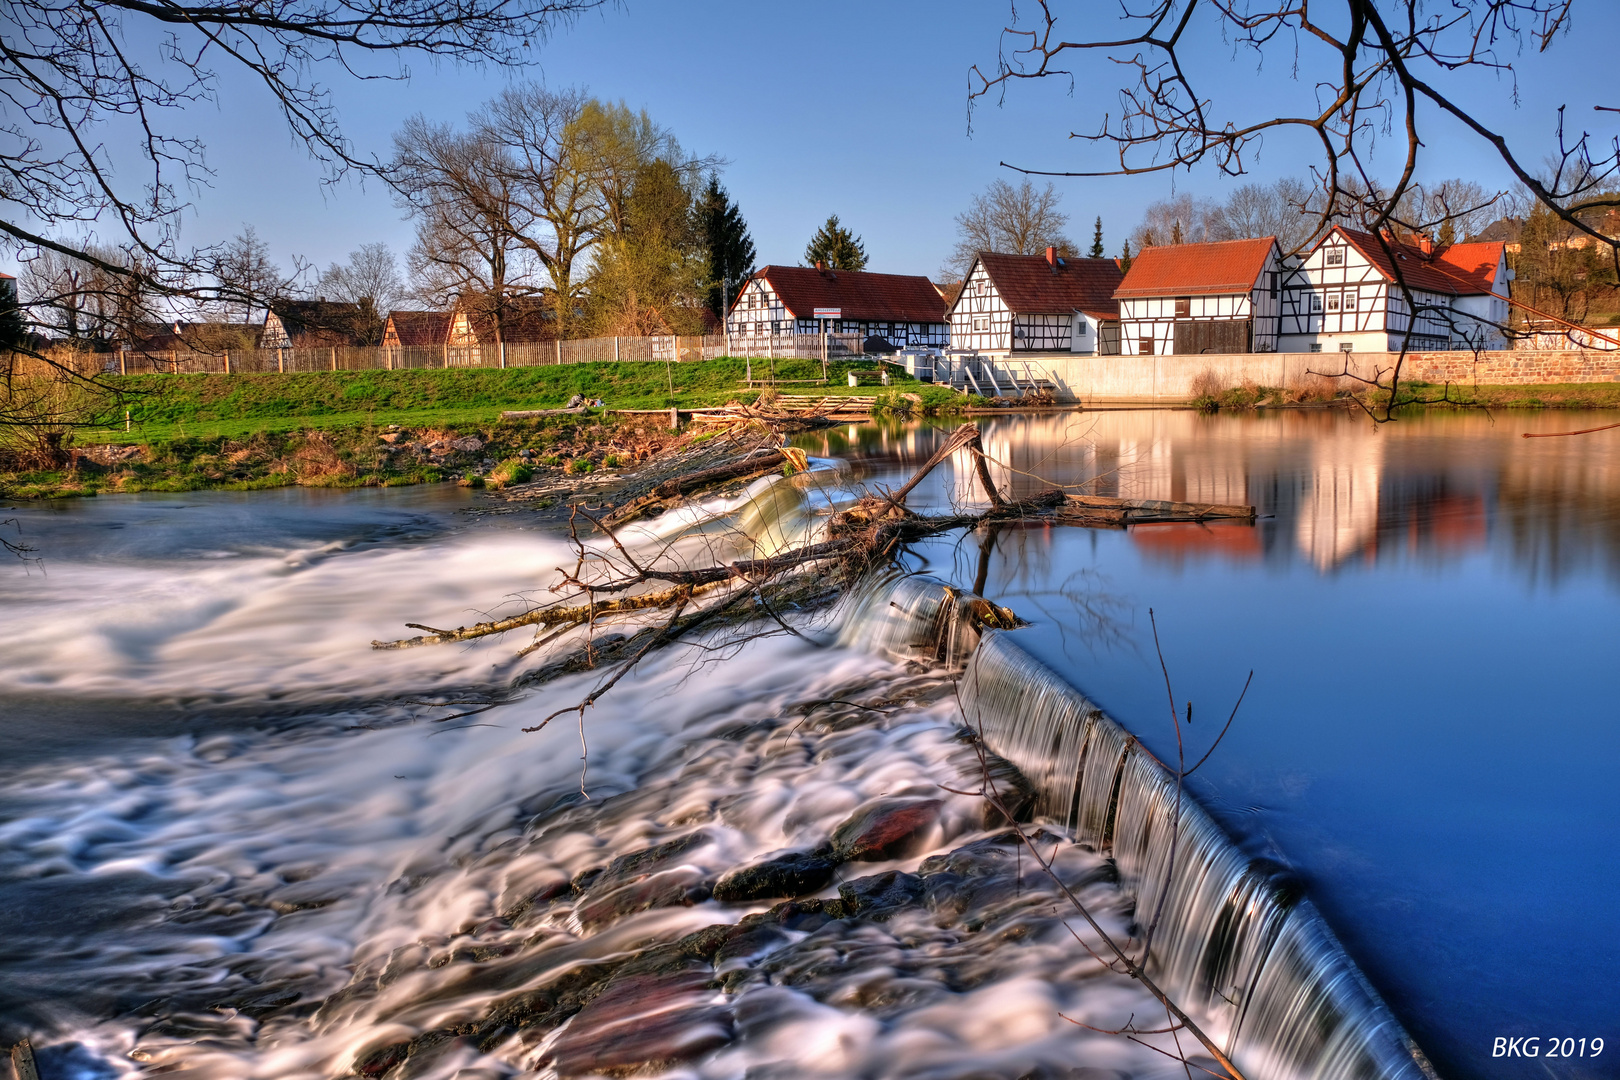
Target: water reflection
x=1333 y=490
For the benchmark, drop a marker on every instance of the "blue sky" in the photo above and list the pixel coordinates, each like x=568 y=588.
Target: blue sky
x=854 y=108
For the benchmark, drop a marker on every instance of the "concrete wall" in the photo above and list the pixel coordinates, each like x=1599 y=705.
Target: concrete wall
x=1169 y=379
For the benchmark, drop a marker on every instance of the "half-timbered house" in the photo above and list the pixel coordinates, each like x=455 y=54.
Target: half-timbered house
x=1221 y=297
x=1021 y=304
x=1345 y=297
x=416 y=329
x=903 y=309
x=315 y=324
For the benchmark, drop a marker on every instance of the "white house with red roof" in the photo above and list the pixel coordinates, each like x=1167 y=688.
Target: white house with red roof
x=1221 y=297
x=1029 y=304
x=905 y=310
x=1344 y=296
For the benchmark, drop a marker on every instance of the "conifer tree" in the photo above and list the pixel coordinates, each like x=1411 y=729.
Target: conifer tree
x=835 y=247
x=1125 y=257
x=1096 y=251
x=726 y=243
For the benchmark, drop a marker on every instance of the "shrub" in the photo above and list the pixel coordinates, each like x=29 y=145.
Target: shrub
x=511 y=471
x=580 y=465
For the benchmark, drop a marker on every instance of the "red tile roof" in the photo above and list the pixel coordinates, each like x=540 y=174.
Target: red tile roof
x=863 y=296
x=1227 y=266
x=415 y=328
x=1029 y=285
x=1475 y=264
x=1460 y=270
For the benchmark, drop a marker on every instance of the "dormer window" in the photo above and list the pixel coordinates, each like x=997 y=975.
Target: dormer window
x=1334 y=256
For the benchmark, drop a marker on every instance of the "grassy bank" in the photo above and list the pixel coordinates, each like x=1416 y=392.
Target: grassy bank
x=371 y=428
x=179 y=406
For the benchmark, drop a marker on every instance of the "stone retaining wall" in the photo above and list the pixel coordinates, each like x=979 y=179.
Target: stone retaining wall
x=1170 y=379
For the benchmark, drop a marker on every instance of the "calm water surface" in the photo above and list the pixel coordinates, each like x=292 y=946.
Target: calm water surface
x=1431 y=609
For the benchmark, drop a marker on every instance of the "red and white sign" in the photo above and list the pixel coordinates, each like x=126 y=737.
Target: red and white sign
x=829 y=313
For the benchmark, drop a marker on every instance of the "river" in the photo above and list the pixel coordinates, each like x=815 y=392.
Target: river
x=233 y=843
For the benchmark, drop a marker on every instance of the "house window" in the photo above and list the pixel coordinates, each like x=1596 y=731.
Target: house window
x=1316 y=302
x=1333 y=301
x=1346 y=346
x=1334 y=256
x=1271 y=283
x=1144 y=347
x=980 y=323
x=1349 y=299
x=1183 y=306
x=1317 y=347
x=978 y=288
x=1080 y=328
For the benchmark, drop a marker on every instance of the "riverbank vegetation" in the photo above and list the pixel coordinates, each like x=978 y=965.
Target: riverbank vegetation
x=1209 y=395
x=384 y=428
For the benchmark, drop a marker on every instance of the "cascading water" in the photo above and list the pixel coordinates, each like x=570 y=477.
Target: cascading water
x=1236 y=942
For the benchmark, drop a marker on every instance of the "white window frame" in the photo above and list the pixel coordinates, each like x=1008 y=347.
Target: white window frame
x=1333 y=256
x=1350 y=299
x=1316 y=303
x=981 y=323
x=1333 y=303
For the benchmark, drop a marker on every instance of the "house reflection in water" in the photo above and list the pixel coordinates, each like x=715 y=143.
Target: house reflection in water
x=1333 y=491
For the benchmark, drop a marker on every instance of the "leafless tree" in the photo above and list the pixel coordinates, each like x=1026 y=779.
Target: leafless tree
x=1280 y=209
x=371 y=276
x=1015 y=220
x=247 y=275
x=1183 y=219
x=1366 y=72
x=472 y=222
x=79 y=300
x=77 y=80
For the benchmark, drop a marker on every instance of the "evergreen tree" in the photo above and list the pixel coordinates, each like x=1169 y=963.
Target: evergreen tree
x=835 y=247
x=1125 y=257
x=1448 y=233
x=1096 y=251
x=1175 y=233
x=13 y=327
x=726 y=243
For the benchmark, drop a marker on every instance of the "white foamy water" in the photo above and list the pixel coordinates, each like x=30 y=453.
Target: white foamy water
x=365 y=888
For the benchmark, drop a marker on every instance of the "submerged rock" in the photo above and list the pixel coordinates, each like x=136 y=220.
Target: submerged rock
x=796 y=873
x=884 y=829
x=644 y=1020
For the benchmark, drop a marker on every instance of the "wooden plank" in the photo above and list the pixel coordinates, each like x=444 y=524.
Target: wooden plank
x=22 y=1061
x=1161 y=509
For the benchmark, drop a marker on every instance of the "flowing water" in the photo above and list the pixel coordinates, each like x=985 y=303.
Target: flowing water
x=1430 y=611
x=234 y=843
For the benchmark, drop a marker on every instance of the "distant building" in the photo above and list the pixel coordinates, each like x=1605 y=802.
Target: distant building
x=1344 y=296
x=1025 y=304
x=902 y=309
x=315 y=324
x=1220 y=297
x=180 y=336
x=416 y=329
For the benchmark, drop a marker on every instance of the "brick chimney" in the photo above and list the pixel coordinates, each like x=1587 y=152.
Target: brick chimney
x=1425 y=243
x=821 y=266
x=1051 y=258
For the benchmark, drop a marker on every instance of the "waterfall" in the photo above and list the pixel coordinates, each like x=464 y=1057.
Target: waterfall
x=1237 y=944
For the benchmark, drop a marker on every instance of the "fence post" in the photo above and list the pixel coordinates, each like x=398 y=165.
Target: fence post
x=227 y=361
x=334 y=358
x=559 y=350
x=122 y=370
x=446 y=355
x=281 y=362
x=615 y=348
x=174 y=361
x=503 y=354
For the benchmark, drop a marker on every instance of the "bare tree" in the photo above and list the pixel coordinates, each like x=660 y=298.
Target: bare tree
x=1021 y=220
x=370 y=277
x=247 y=276
x=1281 y=209
x=1183 y=219
x=471 y=221
x=79 y=79
x=1368 y=71
x=79 y=300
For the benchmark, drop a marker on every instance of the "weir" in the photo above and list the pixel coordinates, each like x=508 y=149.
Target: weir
x=1237 y=945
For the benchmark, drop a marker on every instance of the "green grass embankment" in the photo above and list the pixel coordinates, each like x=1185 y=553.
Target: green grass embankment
x=371 y=428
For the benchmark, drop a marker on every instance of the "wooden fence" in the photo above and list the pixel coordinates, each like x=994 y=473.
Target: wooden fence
x=660 y=348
